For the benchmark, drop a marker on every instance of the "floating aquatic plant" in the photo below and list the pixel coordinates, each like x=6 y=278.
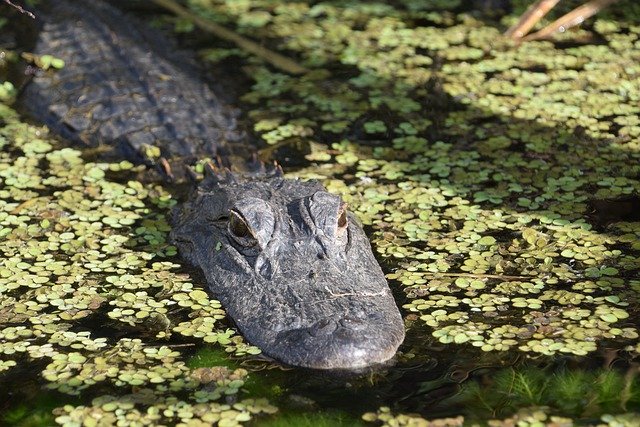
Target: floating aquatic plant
x=474 y=164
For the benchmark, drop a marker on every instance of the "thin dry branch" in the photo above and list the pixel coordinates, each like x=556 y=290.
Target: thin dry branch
x=476 y=276
x=530 y=18
x=20 y=9
x=275 y=59
x=576 y=17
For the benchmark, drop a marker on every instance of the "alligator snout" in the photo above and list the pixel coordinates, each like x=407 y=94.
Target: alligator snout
x=342 y=343
x=342 y=328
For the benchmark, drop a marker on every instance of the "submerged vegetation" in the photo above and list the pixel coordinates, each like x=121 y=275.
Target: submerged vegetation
x=500 y=184
x=573 y=392
x=528 y=394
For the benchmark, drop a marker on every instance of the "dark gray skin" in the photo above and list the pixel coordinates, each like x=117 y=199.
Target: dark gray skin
x=291 y=266
x=125 y=87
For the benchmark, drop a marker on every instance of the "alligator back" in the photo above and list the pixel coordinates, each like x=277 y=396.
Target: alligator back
x=121 y=86
x=292 y=267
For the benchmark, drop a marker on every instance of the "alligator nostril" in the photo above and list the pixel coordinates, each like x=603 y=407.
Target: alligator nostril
x=375 y=316
x=352 y=323
x=323 y=327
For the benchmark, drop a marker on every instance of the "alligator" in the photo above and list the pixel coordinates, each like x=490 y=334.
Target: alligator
x=290 y=264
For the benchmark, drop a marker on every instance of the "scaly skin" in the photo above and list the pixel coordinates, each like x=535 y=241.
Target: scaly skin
x=120 y=86
x=292 y=267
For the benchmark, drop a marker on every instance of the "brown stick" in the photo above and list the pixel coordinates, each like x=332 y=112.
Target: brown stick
x=477 y=276
x=530 y=18
x=20 y=9
x=576 y=17
x=275 y=59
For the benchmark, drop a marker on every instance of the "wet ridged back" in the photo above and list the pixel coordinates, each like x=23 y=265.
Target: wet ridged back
x=119 y=87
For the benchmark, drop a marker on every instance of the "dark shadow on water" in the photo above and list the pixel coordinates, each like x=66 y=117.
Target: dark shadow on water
x=430 y=378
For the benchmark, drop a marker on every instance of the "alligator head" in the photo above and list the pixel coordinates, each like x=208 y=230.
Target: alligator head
x=293 y=268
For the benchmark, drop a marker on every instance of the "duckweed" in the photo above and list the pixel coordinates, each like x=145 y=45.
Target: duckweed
x=483 y=171
x=92 y=247
x=484 y=205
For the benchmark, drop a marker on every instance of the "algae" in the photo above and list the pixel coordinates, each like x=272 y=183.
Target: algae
x=499 y=184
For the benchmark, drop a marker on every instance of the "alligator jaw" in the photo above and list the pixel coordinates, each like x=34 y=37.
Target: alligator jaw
x=293 y=269
x=359 y=338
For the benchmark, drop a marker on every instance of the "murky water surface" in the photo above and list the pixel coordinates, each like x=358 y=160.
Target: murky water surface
x=498 y=183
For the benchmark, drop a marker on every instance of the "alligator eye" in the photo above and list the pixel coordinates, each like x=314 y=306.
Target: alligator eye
x=238 y=227
x=342 y=216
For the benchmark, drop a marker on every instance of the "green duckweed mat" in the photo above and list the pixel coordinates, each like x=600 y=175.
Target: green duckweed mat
x=499 y=185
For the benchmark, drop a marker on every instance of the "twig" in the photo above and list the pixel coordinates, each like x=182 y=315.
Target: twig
x=530 y=18
x=20 y=9
x=175 y=345
x=478 y=276
x=25 y=204
x=575 y=17
x=273 y=58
